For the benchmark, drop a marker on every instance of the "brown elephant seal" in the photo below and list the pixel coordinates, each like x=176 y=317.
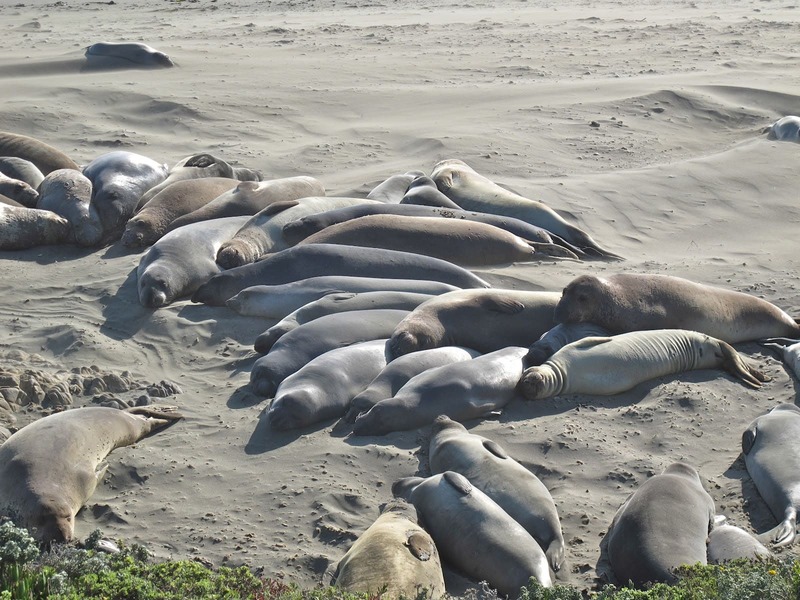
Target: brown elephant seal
x=22 y=227
x=51 y=467
x=771 y=447
x=394 y=557
x=391 y=190
x=68 y=193
x=43 y=156
x=485 y=320
x=785 y=129
x=488 y=467
x=472 y=191
x=630 y=302
x=423 y=192
x=661 y=526
x=474 y=534
x=22 y=170
x=19 y=191
x=159 y=215
x=126 y=54
x=462 y=391
x=605 y=366
x=727 y=542
x=559 y=336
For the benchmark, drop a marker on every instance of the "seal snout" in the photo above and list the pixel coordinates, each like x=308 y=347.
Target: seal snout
x=403 y=342
x=533 y=385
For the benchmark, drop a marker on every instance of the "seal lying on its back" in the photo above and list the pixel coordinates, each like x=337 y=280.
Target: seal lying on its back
x=611 y=365
x=109 y=54
x=51 y=467
x=43 y=156
x=631 y=302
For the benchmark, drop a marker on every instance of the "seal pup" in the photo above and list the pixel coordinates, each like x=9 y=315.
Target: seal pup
x=43 y=156
x=771 y=448
x=488 y=467
x=728 y=542
x=394 y=556
x=786 y=129
x=125 y=54
x=19 y=191
x=322 y=388
x=22 y=227
x=474 y=534
x=630 y=302
x=181 y=261
x=462 y=391
x=314 y=260
x=423 y=192
x=661 y=526
x=68 y=193
x=605 y=366
x=472 y=191
x=485 y=320
x=50 y=468
x=559 y=336
x=392 y=189
x=788 y=350
x=21 y=169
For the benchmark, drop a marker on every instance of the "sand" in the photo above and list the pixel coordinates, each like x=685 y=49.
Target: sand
x=641 y=121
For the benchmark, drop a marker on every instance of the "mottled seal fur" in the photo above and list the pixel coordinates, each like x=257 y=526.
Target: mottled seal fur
x=22 y=227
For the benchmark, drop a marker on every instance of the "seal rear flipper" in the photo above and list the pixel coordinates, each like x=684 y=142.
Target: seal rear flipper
x=734 y=364
x=158 y=417
x=551 y=250
x=555 y=554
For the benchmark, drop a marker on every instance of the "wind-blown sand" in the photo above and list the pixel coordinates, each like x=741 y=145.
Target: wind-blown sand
x=640 y=121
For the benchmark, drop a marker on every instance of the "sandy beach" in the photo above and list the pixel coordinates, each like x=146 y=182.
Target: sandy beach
x=640 y=121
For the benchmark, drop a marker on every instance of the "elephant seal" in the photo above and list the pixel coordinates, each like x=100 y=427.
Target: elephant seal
x=392 y=189
x=22 y=227
x=464 y=243
x=786 y=129
x=264 y=232
x=126 y=54
x=315 y=260
x=559 y=336
x=630 y=302
x=771 y=447
x=727 y=542
x=9 y=202
x=43 y=156
x=19 y=191
x=278 y=301
x=394 y=557
x=474 y=534
x=462 y=391
x=22 y=170
x=160 y=214
x=297 y=348
x=485 y=320
x=605 y=366
x=181 y=261
x=423 y=192
x=488 y=467
x=322 y=388
x=472 y=191
x=68 y=193
x=118 y=181
x=398 y=372
x=662 y=525
x=50 y=468
x=788 y=350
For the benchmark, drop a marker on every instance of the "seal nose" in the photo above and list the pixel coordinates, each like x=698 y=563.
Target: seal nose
x=532 y=384
x=402 y=343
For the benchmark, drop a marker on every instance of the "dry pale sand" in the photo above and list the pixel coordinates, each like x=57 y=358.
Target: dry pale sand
x=677 y=176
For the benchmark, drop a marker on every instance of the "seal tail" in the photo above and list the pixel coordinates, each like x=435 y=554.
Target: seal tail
x=734 y=364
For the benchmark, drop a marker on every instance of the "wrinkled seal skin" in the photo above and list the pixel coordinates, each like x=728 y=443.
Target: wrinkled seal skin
x=128 y=52
x=631 y=302
x=392 y=189
x=474 y=534
x=22 y=227
x=486 y=320
x=611 y=365
x=771 y=447
x=423 y=192
x=323 y=388
x=462 y=391
x=68 y=193
x=19 y=191
x=21 y=169
x=43 y=156
x=559 y=336
x=488 y=467
x=786 y=129
x=727 y=542
x=394 y=554
x=663 y=525
x=50 y=468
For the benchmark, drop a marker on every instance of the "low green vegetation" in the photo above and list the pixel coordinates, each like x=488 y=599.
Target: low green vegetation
x=68 y=573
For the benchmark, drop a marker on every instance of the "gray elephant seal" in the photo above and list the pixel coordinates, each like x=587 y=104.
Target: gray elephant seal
x=771 y=447
x=728 y=542
x=611 y=365
x=488 y=467
x=316 y=260
x=474 y=534
x=322 y=389
x=22 y=170
x=19 y=191
x=462 y=391
x=9 y=202
x=788 y=350
x=394 y=556
x=111 y=54
x=423 y=192
x=181 y=261
x=485 y=320
x=630 y=302
x=51 y=467
x=68 y=193
x=559 y=336
x=786 y=129
x=472 y=191
x=43 y=156
x=663 y=525
x=392 y=189
x=22 y=227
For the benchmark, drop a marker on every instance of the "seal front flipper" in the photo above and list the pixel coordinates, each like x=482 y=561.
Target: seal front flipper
x=420 y=546
x=555 y=554
x=749 y=439
x=495 y=448
x=502 y=305
x=785 y=532
x=402 y=488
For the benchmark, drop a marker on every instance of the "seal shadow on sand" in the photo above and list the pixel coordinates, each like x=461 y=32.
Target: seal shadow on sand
x=44 y=255
x=264 y=438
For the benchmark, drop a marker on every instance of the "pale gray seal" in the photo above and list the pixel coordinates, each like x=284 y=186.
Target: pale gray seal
x=788 y=350
x=21 y=169
x=423 y=191
x=559 y=336
x=68 y=193
x=22 y=227
x=611 y=365
x=394 y=557
x=489 y=468
x=314 y=260
x=661 y=526
x=786 y=129
x=392 y=189
x=43 y=156
x=19 y=191
x=728 y=542
x=474 y=534
x=9 y=202
x=125 y=54
x=51 y=467
x=630 y=302
x=771 y=447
